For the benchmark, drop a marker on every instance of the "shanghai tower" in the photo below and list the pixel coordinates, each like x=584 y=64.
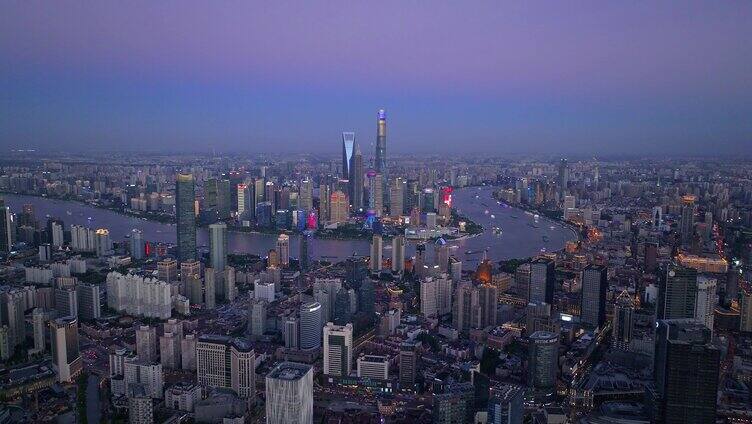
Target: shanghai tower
x=381 y=151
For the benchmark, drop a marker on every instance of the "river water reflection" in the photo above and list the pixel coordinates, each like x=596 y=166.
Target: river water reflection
x=521 y=234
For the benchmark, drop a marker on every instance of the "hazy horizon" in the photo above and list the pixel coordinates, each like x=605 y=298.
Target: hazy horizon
x=533 y=78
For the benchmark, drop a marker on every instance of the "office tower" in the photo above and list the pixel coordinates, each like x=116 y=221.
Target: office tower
x=338 y=207
x=686 y=373
x=257 y=317
x=563 y=178
x=398 y=253
x=218 y=245
x=217 y=197
x=651 y=256
x=366 y=297
x=396 y=198
x=188 y=352
x=102 y=242
x=376 y=250
x=167 y=270
x=283 y=249
x=539 y=317
x=292 y=332
x=677 y=292
x=66 y=301
x=687 y=229
x=140 y=406
x=57 y=237
x=169 y=350
x=310 y=325
x=342 y=310
x=39 y=320
x=304 y=258
x=325 y=195
x=190 y=268
x=357 y=174
x=593 y=297
x=185 y=212
x=7 y=228
x=12 y=308
x=224 y=362
x=89 y=301
x=506 y=404
x=289 y=394
x=542 y=280
x=380 y=158
x=146 y=343
x=66 y=357
x=467 y=312
x=338 y=349
x=210 y=291
x=375 y=367
x=269 y=191
x=408 y=364
x=137 y=372
x=732 y=285
x=231 y=291
x=705 y=301
x=348 y=146
x=543 y=362
x=305 y=199
x=488 y=297
x=376 y=192
x=137 y=244
x=245 y=201
x=136 y=295
x=623 y=321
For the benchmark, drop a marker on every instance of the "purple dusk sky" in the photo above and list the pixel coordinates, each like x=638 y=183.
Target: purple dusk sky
x=583 y=77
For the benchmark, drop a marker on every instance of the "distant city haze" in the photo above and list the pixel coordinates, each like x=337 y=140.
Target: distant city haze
x=588 y=78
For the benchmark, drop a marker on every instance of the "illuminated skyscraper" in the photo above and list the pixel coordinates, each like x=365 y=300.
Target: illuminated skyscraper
x=283 y=249
x=185 y=211
x=305 y=198
x=688 y=218
x=348 y=147
x=338 y=206
x=381 y=144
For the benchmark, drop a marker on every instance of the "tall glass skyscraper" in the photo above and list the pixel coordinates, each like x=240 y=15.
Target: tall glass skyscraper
x=185 y=197
x=218 y=245
x=348 y=147
x=380 y=164
x=357 y=174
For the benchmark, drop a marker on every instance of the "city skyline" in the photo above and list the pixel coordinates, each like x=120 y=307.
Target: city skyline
x=606 y=79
